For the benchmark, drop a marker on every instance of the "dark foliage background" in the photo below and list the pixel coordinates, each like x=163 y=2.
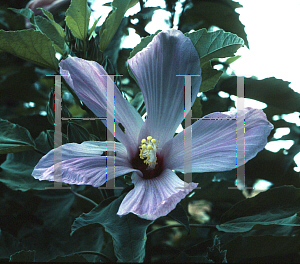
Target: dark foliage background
x=213 y=225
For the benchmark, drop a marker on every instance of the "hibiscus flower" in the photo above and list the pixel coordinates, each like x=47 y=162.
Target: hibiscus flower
x=149 y=149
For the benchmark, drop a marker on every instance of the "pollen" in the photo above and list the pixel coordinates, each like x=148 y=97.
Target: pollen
x=148 y=149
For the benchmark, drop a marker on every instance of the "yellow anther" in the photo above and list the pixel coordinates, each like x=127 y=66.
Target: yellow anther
x=148 y=149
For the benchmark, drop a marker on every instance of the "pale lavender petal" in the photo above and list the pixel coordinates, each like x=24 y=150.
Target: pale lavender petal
x=89 y=83
x=83 y=171
x=119 y=148
x=74 y=150
x=153 y=198
x=155 y=67
x=214 y=141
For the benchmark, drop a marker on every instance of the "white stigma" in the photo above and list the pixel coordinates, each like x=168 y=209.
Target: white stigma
x=148 y=149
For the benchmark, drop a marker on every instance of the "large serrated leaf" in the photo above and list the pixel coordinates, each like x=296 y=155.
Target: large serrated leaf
x=112 y=22
x=14 y=138
x=78 y=18
x=277 y=206
x=29 y=45
x=217 y=44
x=128 y=232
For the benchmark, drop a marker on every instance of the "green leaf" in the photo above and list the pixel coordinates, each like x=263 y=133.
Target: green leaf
x=94 y=26
x=77 y=133
x=26 y=12
x=215 y=253
x=210 y=77
x=50 y=137
x=112 y=22
x=47 y=27
x=246 y=248
x=128 y=232
x=14 y=138
x=78 y=18
x=9 y=244
x=29 y=45
x=197 y=108
x=210 y=45
x=179 y=215
x=277 y=206
x=56 y=25
x=137 y=101
x=17 y=169
x=23 y=256
x=217 y=44
x=205 y=14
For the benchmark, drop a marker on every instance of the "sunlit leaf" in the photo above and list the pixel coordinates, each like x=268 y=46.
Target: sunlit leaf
x=78 y=18
x=93 y=27
x=217 y=44
x=112 y=22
